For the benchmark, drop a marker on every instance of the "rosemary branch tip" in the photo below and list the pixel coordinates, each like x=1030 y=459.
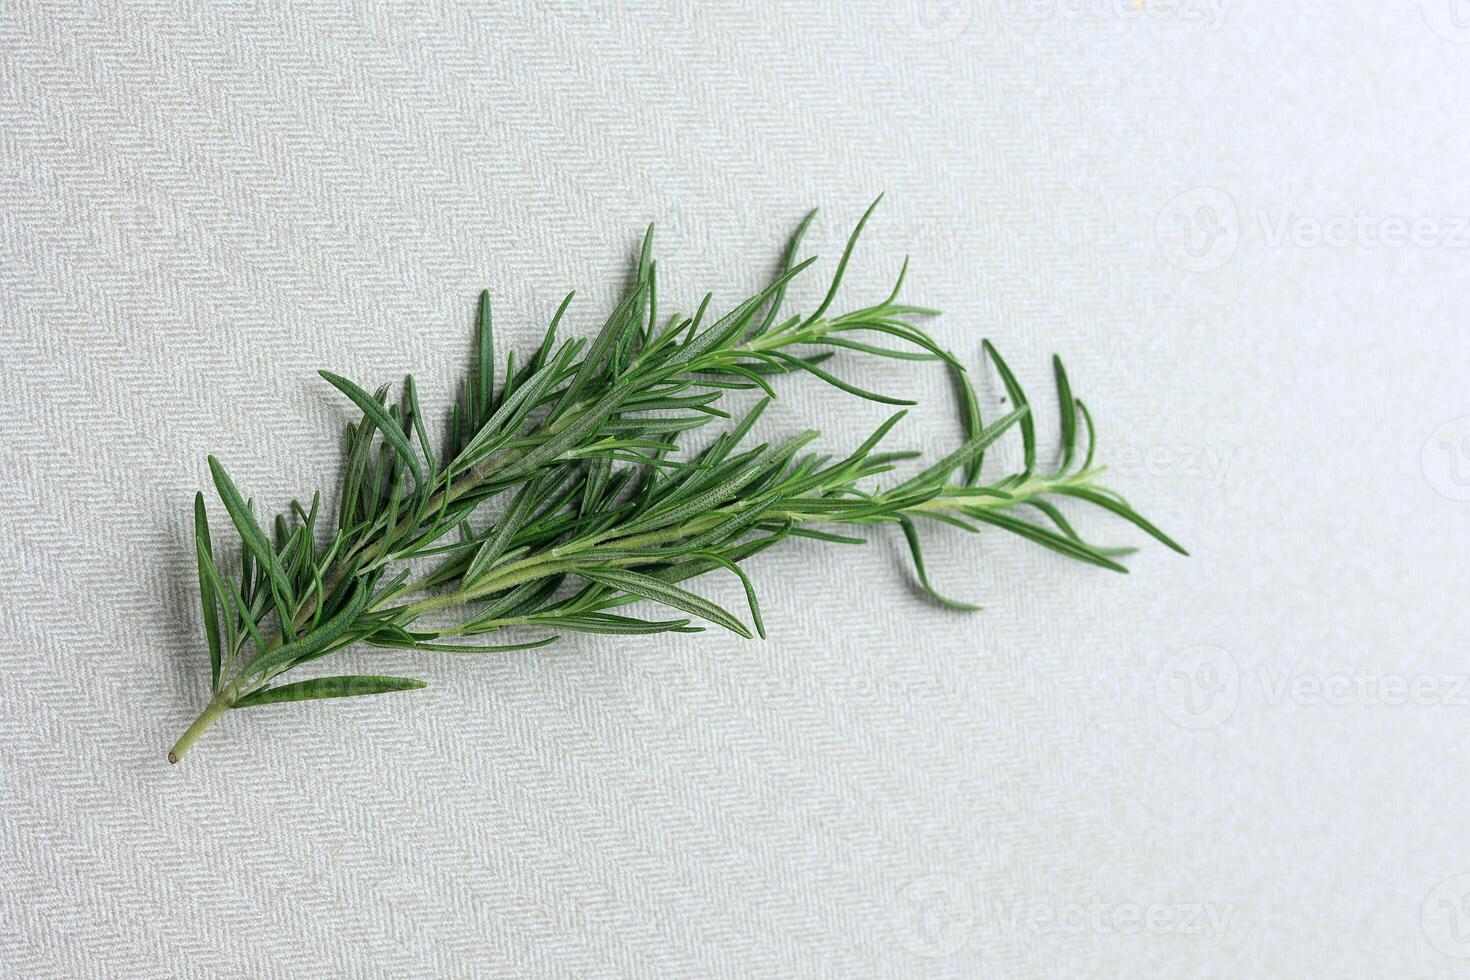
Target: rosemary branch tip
x=578 y=447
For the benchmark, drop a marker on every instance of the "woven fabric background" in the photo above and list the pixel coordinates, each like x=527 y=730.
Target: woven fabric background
x=1199 y=769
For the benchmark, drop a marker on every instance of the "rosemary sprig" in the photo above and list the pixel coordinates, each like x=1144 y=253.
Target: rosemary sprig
x=579 y=444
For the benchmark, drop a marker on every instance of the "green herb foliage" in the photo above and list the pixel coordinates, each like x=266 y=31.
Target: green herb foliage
x=596 y=509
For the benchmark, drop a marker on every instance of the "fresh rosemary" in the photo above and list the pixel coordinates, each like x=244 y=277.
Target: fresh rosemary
x=579 y=445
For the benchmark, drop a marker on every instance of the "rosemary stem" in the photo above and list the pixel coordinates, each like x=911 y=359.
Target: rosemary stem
x=540 y=566
x=217 y=706
x=597 y=496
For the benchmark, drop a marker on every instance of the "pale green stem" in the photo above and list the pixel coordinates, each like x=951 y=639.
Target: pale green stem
x=217 y=706
x=559 y=559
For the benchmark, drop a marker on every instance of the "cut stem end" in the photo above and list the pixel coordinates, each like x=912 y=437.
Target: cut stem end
x=221 y=703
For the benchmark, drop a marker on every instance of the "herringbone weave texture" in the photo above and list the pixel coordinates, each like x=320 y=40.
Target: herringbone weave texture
x=202 y=203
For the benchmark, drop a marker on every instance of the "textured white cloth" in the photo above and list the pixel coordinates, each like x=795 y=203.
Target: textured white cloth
x=1098 y=776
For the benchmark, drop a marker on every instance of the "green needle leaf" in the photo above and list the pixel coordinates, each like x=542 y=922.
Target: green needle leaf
x=670 y=595
x=750 y=599
x=1068 y=410
x=1018 y=399
x=215 y=583
x=842 y=265
x=392 y=431
x=1040 y=535
x=348 y=686
x=911 y=535
x=315 y=641
x=611 y=625
x=809 y=365
x=972 y=448
x=432 y=647
x=485 y=359
x=253 y=537
x=1123 y=511
x=779 y=295
x=206 y=588
x=505 y=529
